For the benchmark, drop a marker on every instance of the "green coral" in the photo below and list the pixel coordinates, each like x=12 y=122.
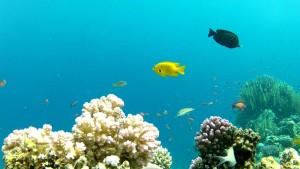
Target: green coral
x=162 y=158
x=265 y=124
x=267 y=92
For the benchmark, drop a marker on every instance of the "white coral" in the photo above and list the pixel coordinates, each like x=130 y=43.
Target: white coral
x=101 y=130
x=112 y=161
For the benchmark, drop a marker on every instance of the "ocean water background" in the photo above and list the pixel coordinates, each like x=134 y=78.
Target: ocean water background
x=74 y=50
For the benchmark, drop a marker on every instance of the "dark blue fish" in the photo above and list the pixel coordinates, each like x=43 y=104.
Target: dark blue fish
x=225 y=38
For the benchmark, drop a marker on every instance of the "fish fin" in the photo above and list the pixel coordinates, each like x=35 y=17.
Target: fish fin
x=211 y=32
x=221 y=159
x=173 y=74
x=176 y=64
x=181 y=70
x=230 y=158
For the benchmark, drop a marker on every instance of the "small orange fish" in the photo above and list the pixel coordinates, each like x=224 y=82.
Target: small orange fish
x=190 y=119
x=239 y=105
x=158 y=114
x=3 y=83
x=47 y=101
x=165 y=112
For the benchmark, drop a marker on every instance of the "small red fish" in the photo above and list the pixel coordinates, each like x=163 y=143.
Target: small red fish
x=2 y=83
x=239 y=105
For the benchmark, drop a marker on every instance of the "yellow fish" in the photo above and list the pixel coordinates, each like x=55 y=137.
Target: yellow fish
x=168 y=69
x=296 y=141
x=184 y=111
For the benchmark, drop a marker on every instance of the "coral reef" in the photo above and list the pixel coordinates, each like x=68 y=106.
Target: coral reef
x=289 y=159
x=265 y=124
x=267 y=92
x=40 y=148
x=268 y=163
x=218 y=135
x=268 y=150
x=162 y=158
x=103 y=137
x=272 y=110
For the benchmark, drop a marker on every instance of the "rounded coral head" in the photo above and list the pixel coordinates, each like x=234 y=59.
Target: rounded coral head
x=213 y=135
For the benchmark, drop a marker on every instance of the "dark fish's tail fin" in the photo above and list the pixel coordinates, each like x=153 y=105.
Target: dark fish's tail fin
x=211 y=32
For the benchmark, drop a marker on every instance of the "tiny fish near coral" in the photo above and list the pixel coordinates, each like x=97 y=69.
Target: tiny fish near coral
x=296 y=141
x=239 y=105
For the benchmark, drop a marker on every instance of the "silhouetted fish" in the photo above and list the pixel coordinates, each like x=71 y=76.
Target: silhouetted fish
x=225 y=38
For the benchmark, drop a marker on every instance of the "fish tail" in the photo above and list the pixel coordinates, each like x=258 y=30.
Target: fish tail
x=211 y=32
x=181 y=70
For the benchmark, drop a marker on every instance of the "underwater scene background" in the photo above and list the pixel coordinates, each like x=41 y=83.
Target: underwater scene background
x=68 y=51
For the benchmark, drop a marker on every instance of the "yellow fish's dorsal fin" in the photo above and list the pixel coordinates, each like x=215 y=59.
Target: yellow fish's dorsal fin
x=176 y=64
x=181 y=70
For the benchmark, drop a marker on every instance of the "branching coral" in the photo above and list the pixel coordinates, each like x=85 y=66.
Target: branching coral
x=100 y=133
x=105 y=131
x=40 y=148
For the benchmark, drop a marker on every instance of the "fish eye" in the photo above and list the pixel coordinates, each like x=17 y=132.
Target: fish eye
x=159 y=70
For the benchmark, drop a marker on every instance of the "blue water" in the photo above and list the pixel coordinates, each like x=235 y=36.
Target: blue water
x=74 y=50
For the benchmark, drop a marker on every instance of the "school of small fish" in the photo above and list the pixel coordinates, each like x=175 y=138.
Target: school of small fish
x=173 y=69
